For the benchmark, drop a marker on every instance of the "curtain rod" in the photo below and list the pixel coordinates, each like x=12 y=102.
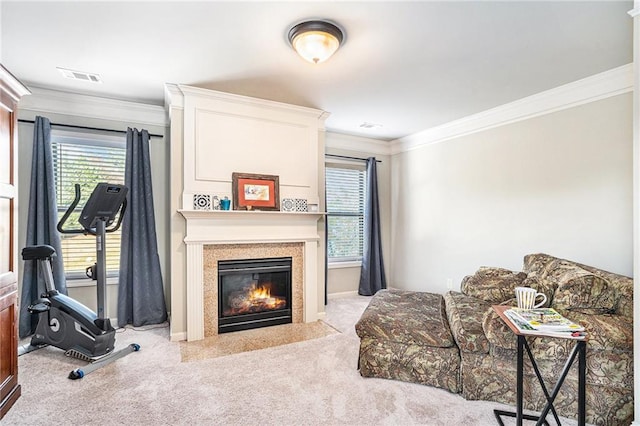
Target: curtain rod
x=88 y=128
x=346 y=157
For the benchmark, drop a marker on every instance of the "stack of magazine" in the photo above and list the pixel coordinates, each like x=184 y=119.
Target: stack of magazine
x=544 y=321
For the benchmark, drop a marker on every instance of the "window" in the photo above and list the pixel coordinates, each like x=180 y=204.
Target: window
x=345 y=189
x=86 y=159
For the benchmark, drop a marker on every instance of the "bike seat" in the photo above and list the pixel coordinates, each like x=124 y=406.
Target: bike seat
x=38 y=252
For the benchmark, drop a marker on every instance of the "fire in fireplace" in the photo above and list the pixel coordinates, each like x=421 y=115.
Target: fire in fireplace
x=253 y=293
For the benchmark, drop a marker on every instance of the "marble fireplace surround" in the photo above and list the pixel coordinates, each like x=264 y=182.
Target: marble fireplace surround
x=217 y=252
x=222 y=235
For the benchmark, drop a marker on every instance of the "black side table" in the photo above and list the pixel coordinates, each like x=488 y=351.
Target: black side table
x=579 y=350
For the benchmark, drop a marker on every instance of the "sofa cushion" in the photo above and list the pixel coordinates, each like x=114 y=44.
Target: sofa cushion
x=623 y=286
x=493 y=285
x=408 y=317
x=542 y=271
x=537 y=264
x=580 y=289
x=465 y=314
x=546 y=271
x=606 y=332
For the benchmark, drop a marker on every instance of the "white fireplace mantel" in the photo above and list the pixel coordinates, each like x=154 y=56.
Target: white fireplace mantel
x=241 y=226
x=206 y=227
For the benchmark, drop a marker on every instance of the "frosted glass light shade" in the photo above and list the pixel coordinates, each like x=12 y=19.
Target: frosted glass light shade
x=315 y=46
x=315 y=41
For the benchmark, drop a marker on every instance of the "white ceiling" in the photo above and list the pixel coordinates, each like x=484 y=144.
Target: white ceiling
x=408 y=66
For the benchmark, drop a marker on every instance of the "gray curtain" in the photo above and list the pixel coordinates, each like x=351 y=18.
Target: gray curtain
x=140 y=288
x=42 y=219
x=372 y=276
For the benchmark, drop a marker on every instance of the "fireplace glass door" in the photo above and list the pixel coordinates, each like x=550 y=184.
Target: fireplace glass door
x=253 y=293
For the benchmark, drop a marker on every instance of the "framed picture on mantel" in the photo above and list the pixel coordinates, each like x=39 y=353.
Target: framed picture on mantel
x=255 y=192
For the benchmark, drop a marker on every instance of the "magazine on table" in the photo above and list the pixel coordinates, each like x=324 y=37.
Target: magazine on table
x=545 y=321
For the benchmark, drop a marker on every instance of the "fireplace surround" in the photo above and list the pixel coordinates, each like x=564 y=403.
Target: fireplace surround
x=214 y=253
x=226 y=235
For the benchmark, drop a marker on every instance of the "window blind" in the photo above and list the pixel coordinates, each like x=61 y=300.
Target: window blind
x=86 y=161
x=345 y=192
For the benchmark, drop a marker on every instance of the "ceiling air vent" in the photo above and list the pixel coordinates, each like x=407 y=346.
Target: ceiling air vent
x=80 y=75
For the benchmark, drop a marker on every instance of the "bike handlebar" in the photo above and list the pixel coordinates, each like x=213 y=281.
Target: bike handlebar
x=83 y=230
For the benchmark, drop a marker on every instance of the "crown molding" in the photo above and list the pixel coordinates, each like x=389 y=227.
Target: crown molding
x=249 y=101
x=12 y=87
x=357 y=143
x=600 y=86
x=173 y=96
x=43 y=101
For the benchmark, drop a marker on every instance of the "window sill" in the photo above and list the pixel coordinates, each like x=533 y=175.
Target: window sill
x=339 y=265
x=87 y=282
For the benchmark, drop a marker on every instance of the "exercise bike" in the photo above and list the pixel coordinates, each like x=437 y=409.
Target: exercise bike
x=64 y=322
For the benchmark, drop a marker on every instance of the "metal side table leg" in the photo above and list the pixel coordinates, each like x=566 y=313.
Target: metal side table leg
x=582 y=380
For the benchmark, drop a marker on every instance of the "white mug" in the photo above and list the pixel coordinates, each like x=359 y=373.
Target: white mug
x=526 y=298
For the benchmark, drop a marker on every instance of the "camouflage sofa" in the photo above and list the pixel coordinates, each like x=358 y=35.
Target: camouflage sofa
x=599 y=300
x=458 y=343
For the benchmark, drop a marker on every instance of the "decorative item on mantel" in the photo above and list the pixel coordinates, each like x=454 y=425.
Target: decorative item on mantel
x=288 y=205
x=255 y=192
x=294 y=205
x=301 y=205
x=201 y=202
x=225 y=203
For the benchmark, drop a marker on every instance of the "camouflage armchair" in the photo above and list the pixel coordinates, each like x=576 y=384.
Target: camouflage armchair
x=601 y=301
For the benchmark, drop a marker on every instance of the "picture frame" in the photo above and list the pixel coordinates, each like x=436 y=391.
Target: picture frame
x=255 y=191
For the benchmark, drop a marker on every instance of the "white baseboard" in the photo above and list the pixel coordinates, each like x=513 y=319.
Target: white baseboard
x=350 y=293
x=341 y=295
x=177 y=337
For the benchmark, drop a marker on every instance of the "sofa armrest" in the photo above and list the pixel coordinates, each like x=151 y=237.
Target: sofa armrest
x=606 y=332
x=465 y=315
x=497 y=332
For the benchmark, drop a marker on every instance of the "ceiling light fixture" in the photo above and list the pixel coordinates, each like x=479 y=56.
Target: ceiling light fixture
x=315 y=41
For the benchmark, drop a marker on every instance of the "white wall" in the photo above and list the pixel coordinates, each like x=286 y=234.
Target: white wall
x=80 y=110
x=341 y=280
x=560 y=183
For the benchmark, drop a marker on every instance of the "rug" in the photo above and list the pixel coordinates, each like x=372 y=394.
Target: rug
x=252 y=340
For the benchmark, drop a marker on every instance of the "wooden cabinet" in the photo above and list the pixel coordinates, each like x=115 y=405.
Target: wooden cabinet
x=9 y=387
x=11 y=90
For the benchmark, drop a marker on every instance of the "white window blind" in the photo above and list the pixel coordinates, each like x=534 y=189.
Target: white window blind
x=345 y=191
x=86 y=160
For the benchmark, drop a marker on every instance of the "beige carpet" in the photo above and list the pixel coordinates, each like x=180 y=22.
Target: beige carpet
x=312 y=382
x=252 y=340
